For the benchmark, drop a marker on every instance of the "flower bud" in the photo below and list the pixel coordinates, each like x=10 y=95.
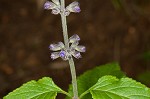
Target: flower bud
x=80 y=48
x=49 y=5
x=56 y=47
x=76 y=54
x=54 y=55
x=74 y=7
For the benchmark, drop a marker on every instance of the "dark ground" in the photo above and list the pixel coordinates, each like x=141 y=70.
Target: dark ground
x=110 y=34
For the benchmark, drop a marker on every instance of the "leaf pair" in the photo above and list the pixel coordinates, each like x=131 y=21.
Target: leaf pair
x=104 y=82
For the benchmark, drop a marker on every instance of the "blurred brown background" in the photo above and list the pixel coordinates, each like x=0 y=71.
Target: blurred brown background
x=112 y=30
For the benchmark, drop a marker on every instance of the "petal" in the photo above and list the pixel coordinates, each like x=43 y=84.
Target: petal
x=74 y=7
x=61 y=44
x=54 y=55
x=55 y=11
x=63 y=55
x=56 y=47
x=76 y=54
x=74 y=38
x=80 y=48
x=56 y=2
x=49 y=5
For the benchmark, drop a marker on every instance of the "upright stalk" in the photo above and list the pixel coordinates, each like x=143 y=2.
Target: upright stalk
x=71 y=62
x=64 y=23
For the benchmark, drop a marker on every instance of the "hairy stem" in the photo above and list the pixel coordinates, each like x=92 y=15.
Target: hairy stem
x=74 y=81
x=71 y=62
x=64 y=24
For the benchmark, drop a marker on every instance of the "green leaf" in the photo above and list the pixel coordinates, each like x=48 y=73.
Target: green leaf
x=89 y=78
x=110 y=87
x=41 y=89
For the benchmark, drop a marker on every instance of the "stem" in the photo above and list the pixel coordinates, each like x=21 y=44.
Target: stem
x=66 y=93
x=71 y=62
x=74 y=81
x=64 y=23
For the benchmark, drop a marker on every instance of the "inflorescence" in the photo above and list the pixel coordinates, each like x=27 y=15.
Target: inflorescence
x=60 y=49
x=67 y=53
x=70 y=48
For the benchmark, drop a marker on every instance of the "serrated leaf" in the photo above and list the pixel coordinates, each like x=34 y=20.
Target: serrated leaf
x=41 y=89
x=89 y=78
x=110 y=87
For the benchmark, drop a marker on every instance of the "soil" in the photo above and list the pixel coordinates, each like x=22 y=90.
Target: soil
x=110 y=32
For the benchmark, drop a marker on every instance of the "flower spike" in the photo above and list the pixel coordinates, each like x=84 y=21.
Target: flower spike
x=71 y=48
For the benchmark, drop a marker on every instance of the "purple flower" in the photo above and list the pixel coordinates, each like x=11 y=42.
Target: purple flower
x=56 y=47
x=54 y=55
x=48 y=5
x=73 y=7
x=54 y=5
x=67 y=53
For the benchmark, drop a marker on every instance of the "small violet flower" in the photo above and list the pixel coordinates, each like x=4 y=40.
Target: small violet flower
x=56 y=8
x=73 y=7
x=54 y=5
x=67 y=53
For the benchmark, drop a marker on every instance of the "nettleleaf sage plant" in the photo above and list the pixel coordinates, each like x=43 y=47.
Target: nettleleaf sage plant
x=71 y=47
x=103 y=82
